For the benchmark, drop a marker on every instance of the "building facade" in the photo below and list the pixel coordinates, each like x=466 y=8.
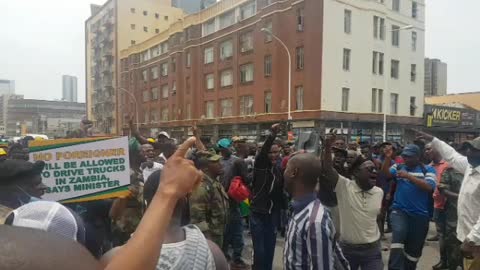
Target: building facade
x=113 y=27
x=69 y=88
x=19 y=116
x=192 y=6
x=352 y=61
x=435 y=77
x=7 y=87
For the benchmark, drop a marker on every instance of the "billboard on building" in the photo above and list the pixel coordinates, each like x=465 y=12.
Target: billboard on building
x=441 y=116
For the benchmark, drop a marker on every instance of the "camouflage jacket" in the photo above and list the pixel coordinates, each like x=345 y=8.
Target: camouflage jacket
x=131 y=216
x=209 y=209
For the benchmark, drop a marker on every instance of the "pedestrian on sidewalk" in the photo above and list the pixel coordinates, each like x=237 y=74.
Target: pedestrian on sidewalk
x=310 y=241
x=411 y=209
x=359 y=203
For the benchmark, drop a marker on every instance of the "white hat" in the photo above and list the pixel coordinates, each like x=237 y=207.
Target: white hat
x=50 y=217
x=163 y=133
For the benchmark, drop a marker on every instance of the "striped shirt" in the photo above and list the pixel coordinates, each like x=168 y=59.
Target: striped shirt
x=311 y=243
x=410 y=198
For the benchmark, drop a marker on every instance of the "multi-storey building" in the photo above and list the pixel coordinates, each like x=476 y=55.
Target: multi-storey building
x=7 y=87
x=352 y=62
x=113 y=27
x=435 y=77
x=69 y=88
x=52 y=118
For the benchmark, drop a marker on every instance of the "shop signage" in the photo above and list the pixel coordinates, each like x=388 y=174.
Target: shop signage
x=440 y=116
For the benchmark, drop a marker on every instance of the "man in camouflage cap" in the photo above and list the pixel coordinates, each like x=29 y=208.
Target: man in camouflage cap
x=209 y=202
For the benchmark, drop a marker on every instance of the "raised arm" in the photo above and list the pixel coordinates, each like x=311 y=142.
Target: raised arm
x=143 y=249
x=454 y=159
x=329 y=175
x=262 y=160
x=136 y=133
x=198 y=143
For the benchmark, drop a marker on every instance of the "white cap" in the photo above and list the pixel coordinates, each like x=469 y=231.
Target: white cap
x=47 y=216
x=164 y=133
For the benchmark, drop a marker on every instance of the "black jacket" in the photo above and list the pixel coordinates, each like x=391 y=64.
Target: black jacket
x=267 y=184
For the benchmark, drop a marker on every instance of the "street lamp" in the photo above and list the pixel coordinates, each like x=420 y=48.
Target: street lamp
x=406 y=27
x=134 y=100
x=269 y=32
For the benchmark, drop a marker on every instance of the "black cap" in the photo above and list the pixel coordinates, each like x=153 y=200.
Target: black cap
x=12 y=170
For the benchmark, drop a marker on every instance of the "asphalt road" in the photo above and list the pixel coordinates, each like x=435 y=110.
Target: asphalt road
x=429 y=258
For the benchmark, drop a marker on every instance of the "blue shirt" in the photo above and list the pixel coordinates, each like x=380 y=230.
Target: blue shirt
x=409 y=197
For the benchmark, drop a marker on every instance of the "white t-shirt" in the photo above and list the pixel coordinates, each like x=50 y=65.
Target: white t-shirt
x=358 y=212
x=146 y=172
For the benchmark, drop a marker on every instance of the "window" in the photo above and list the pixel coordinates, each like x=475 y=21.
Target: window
x=165 y=18
x=395 y=69
x=345 y=97
x=210 y=109
x=226 y=78
x=157 y=30
x=164 y=47
x=347 y=21
x=378 y=28
x=157 y=15
x=395 y=35
x=396 y=5
x=246 y=105
x=226 y=49
x=145 y=13
x=132 y=42
x=226 y=106
x=145 y=75
x=248 y=10
x=267 y=66
x=246 y=73
x=300 y=19
x=174 y=88
x=154 y=93
x=154 y=72
x=146 y=117
x=346 y=59
x=413 y=72
x=299 y=98
x=209 y=81
x=209 y=27
x=188 y=111
x=165 y=114
x=413 y=106
x=155 y=51
x=174 y=112
x=414 y=41
x=269 y=26
x=380 y=100
x=174 y=64
x=165 y=91
x=374 y=99
x=208 y=55
x=154 y=117
x=187 y=84
x=132 y=10
x=268 y=101
x=414 y=9
x=188 y=59
x=145 y=29
x=132 y=26
x=246 y=42
x=227 y=19
x=377 y=64
x=164 y=68
x=146 y=96
x=380 y=63
x=300 y=58
x=393 y=103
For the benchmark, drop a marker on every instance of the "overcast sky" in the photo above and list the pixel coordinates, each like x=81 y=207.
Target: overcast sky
x=42 y=39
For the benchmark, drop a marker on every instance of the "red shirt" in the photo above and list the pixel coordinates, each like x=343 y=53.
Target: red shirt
x=439 y=199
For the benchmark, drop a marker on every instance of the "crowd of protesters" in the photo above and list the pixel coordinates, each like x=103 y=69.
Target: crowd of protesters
x=190 y=205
